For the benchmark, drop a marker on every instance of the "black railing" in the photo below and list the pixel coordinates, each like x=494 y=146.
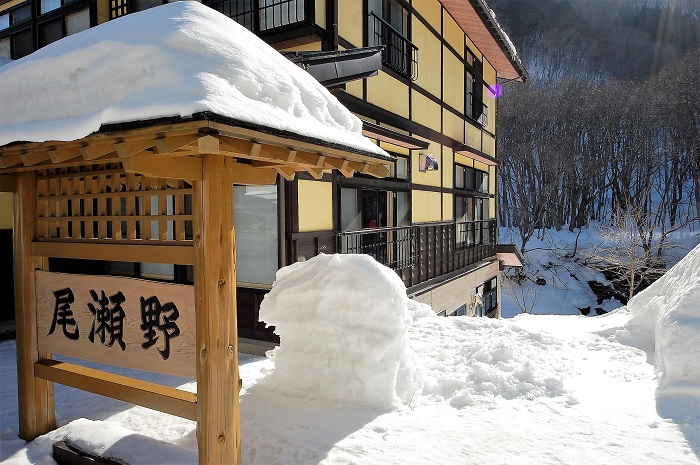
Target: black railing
x=399 y=53
x=396 y=248
x=423 y=252
x=262 y=15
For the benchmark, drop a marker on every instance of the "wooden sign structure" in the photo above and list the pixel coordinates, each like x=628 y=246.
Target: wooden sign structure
x=105 y=197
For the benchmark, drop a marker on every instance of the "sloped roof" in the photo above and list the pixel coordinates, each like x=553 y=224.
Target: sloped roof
x=479 y=22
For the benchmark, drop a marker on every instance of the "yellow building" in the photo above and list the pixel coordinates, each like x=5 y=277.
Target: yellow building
x=427 y=95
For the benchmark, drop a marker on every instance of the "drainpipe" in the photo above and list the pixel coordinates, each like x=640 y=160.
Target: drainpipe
x=331 y=25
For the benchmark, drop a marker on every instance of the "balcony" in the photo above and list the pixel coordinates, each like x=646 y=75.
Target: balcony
x=421 y=253
x=399 y=53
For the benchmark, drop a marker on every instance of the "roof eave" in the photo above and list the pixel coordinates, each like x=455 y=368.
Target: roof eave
x=474 y=17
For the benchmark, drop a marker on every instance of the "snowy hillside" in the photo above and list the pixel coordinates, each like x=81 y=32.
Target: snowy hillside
x=531 y=389
x=557 y=281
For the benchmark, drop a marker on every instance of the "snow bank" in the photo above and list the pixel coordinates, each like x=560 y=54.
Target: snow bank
x=666 y=316
x=476 y=360
x=342 y=322
x=106 y=439
x=174 y=60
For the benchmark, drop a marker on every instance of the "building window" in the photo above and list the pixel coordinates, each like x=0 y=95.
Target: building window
x=50 y=32
x=49 y=5
x=400 y=168
x=77 y=22
x=255 y=224
x=4 y=21
x=471 y=179
x=459 y=311
x=488 y=291
x=388 y=24
x=262 y=15
x=474 y=90
x=5 y=48
x=22 y=44
x=21 y=14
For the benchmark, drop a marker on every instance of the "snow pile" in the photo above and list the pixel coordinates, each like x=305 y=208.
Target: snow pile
x=342 y=322
x=475 y=360
x=174 y=60
x=666 y=316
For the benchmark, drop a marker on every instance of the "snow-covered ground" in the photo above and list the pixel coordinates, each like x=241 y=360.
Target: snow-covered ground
x=532 y=389
x=563 y=288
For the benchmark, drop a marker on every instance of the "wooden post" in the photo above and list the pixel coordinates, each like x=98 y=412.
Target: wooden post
x=36 y=402
x=218 y=416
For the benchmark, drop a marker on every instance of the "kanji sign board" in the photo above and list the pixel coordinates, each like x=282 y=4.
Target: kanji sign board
x=125 y=322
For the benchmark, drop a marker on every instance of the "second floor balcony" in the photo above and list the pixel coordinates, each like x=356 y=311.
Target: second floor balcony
x=399 y=53
x=420 y=253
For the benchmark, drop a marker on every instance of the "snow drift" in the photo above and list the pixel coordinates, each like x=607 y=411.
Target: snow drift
x=174 y=60
x=342 y=322
x=666 y=316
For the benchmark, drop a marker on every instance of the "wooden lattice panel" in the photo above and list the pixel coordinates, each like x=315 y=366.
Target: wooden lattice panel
x=104 y=203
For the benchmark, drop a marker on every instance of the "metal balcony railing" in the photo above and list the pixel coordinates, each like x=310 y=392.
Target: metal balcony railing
x=423 y=252
x=399 y=53
x=396 y=248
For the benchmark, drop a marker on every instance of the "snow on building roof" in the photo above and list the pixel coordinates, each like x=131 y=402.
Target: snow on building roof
x=175 y=60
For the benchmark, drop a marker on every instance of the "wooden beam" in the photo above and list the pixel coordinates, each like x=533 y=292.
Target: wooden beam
x=91 y=152
x=171 y=254
x=162 y=166
x=171 y=143
x=7 y=161
x=247 y=148
x=378 y=171
x=36 y=401
x=132 y=147
x=240 y=173
x=151 y=395
x=218 y=414
x=310 y=159
x=61 y=155
x=32 y=158
x=342 y=165
x=8 y=183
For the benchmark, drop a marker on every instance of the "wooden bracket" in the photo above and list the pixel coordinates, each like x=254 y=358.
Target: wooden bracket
x=316 y=173
x=287 y=172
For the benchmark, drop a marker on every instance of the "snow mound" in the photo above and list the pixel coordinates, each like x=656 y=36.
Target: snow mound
x=174 y=60
x=342 y=322
x=666 y=316
x=475 y=360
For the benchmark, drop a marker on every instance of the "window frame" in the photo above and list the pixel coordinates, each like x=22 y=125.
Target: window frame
x=37 y=21
x=308 y=7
